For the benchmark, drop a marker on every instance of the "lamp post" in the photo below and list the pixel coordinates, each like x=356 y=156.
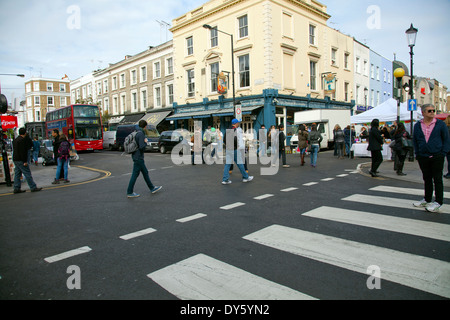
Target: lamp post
x=3 y=109
x=398 y=74
x=411 y=35
x=207 y=26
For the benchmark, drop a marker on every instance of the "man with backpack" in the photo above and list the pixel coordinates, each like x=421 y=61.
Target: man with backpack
x=139 y=162
x=63 y=157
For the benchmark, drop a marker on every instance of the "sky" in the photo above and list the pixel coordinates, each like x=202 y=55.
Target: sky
x=51 y=38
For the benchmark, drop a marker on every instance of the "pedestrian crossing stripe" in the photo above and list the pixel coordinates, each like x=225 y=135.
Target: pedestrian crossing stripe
x=422 y=273
x=416 y=192
x=204 y=278
x=389 y=202
x=425 y=229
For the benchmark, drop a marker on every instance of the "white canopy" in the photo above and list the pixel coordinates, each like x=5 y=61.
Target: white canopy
x=386 y=112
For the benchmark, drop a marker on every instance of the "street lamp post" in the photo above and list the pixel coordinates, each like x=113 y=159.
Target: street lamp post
x=207 y=26
x=398 y=74
x=3 y=108
x=411 y=35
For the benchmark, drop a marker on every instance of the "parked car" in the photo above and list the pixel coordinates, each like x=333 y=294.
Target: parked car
x=152 y=136
x=169 y=139
x=109 y=140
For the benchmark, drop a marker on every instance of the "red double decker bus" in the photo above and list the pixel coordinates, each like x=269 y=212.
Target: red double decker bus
x=82 y=124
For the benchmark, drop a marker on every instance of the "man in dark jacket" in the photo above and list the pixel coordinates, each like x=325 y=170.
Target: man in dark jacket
x=375 y=147
x=431 y=145
x=21 y=163
x=139 y=163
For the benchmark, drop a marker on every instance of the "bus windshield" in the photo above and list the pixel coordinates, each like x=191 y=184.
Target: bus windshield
x=88 y=132
x=85 y=112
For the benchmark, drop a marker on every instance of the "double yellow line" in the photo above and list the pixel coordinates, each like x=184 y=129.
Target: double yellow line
x=106 y=175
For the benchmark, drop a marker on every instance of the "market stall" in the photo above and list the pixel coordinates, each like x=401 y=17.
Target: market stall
x=360 y=150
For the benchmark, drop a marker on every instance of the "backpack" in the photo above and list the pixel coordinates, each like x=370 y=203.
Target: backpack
x=64 y=149
x=130 y=144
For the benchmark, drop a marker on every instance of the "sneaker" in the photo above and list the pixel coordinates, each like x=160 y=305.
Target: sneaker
x=286 y=166
x=433 y=207
x=66 y=181
x=19 y=191
x=55 y=182
x=36 y=189
x=133 y=195
x=250 y=178
x=156 y=189
x=226 y=182
x=421 y=203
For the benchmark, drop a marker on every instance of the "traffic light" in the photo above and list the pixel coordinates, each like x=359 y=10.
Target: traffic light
x=3 y=104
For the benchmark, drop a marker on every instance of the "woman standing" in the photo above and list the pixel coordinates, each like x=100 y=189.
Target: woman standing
x=375 y=147
x=63 y=158
x=400 y=150
x=302 y=142
x=315 y=138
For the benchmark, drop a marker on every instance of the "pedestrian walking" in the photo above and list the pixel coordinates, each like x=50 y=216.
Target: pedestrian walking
x=375 y=147
x=431 y=145
x=21 y=164
x=139 y=163
x=401 y=136
x=339 y=140
x=36 y=148
x=235 y=152
x=349 y=137
x=262 y=135
x=282 y=145
x=315 y=138
x=302 y=142
x=62 y=160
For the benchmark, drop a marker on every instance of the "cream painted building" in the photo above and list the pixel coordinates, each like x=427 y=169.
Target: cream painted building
x=281 y=45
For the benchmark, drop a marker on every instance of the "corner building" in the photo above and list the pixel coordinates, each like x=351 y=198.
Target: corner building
x=282 y=51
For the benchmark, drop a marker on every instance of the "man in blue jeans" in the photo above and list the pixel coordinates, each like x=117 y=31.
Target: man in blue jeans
x=235 y=152
x=21 y=163
x=139 y=163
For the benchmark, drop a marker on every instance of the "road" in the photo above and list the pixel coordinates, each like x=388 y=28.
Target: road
x=304 y=233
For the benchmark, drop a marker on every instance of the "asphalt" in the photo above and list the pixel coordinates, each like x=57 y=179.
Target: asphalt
x=45 y=175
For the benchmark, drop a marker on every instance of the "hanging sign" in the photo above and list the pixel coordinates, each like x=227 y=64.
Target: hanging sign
x=330 y=83
x=222 y=83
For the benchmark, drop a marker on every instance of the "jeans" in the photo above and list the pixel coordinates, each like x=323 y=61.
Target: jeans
x=314 y=152
x=62 y=163
x=35 y=155
x=25 y=170
x=229 y=162
x=432 y=174
x=282 y=156
x=138 y=167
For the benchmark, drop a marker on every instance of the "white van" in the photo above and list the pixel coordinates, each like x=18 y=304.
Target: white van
x=109 y=140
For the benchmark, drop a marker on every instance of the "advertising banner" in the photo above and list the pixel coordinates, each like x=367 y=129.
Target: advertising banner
x=8 y=122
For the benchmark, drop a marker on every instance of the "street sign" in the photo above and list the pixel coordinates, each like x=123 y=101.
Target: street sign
x=412 y=105
x=238 y=112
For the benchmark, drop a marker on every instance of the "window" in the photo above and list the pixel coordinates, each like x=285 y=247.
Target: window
x=50 y=101
x=143 y=74
x=62 y=87
x=346 y=91
x=134 y=101
x=35 y=86
x=157 y=96
x=62 y=101
x=372 y=71
x=105 y=86
x=358 y=65
x=157 y=70
x=333 y=57
x=190 y=46
x=244 y=71
x=214 y=75
x=37 y=101
x=190 y=82
x=313 y=75
x=346 y=57
x=133 y=74
x=114 y=83
x=243 y=26
x=169 y=94
x=312 y=34
x=38 y=115
x=49 y=86
x=384 y=74
x=378 y=74
x=122 y=80
x=365 y=71
x=214 y=37
x=169 y=64
x=144 y=100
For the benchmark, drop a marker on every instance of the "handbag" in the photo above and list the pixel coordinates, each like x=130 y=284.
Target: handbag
x=407 y=143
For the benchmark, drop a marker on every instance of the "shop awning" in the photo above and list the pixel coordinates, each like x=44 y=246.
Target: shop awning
x=229 y=112
x=156 y=118
x=132 y=118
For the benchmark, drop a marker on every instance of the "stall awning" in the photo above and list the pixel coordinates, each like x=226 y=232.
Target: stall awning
x=156 y=118
x=229 y=112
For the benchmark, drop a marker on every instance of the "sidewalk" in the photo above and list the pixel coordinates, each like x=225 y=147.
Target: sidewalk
x=44 y=176
x=412 y=170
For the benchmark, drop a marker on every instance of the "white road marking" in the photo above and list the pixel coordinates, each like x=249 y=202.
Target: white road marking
x=416 y=192
x=137 y=234
x=289 y=189
x=310 y=184
x=67 y=254
x=204 y=278
x=327 y=179
x=190 y=218
x=414 y=271
x=342 y=175
x=390 y=202
x=426 y=229
x=232 y=206
x=264 y=196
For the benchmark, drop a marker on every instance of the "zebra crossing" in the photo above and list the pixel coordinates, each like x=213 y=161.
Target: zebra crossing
x=206 y=278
